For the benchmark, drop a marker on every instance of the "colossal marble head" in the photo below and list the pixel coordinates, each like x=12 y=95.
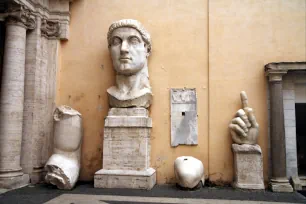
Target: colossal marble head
x=130 y=45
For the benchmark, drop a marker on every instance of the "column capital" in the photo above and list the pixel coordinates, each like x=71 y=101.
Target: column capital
x=21 y=15
x=50 y=29
x=275 y=75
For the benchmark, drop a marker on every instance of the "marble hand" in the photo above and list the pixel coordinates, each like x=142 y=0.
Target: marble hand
x=244 y=127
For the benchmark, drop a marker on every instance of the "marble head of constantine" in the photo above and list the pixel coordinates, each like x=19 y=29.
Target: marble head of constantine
x=130 y=46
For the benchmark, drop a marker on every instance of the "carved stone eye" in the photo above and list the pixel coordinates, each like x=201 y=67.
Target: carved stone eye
x=134 y=40
x=116 y=41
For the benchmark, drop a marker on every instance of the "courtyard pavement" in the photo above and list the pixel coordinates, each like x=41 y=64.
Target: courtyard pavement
x=166 y=194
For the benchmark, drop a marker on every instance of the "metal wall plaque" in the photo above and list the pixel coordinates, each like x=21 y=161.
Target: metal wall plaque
x=184 y=123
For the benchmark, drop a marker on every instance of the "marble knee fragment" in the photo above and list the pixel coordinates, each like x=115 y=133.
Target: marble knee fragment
x=63 y=166
x=189 y=171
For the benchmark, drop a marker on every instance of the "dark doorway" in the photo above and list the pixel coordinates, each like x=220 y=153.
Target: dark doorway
x=2 y=39
x=300 y=118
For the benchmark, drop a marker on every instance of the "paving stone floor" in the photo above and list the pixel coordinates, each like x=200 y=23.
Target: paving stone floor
x=166 y=194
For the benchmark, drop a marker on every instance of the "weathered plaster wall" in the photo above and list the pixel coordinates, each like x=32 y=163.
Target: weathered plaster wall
x=179 y=59
x=243 y=37
x=235 y=38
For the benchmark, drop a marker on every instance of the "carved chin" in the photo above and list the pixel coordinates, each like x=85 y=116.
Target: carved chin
x=128 y=69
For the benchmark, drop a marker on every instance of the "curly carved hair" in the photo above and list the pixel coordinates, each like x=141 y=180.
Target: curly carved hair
x=132 y=24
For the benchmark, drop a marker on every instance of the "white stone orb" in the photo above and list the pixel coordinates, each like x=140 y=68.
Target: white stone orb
x=189 y=171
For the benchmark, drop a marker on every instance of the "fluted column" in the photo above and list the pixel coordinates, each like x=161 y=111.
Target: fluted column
x=278 y=181
x=12 y=97
x=41 y=48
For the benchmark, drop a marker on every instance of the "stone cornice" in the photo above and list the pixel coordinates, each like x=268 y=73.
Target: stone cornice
x=285 y=66
x=275 y=71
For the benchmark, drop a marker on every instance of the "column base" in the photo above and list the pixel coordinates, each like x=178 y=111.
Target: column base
x=296 y=183
x=38 y=175
x=14 y=180
x=280 y=185
x=125 y=179
x=303 y=180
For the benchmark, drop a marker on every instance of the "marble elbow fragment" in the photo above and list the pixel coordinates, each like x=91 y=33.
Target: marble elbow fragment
x=63 y=166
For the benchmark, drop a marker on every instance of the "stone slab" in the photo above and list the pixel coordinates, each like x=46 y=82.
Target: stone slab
x=125 y=179
x=248 y=167
x=184 y=124
x=281 y=187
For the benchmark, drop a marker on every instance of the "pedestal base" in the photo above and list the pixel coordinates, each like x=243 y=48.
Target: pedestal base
x=13 y=182
x=248 y=167
x=280 y=185
x=248 y=186
x=125 y=179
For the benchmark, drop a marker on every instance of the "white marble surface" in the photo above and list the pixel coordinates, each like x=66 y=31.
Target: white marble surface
x=63 y=166
x=244 y=128
x=130 y=46
x=189 y=171
x=248 y=172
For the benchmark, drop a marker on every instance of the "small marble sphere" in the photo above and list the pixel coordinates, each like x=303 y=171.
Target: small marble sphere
x=243 y=127
x=63 y=166
x=189 y=172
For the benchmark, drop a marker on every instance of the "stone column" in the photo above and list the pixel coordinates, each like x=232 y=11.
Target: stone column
x=12 y=98
x=38 y=113
x=278 y=181
x=32 y=61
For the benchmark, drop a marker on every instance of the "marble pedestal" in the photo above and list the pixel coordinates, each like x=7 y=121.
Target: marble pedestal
x=248 y=167
x=126 y=150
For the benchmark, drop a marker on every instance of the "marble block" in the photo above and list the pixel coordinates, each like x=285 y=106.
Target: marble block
x=145 y=179
x=189 y=172
x=248 y=167
x=126 y=150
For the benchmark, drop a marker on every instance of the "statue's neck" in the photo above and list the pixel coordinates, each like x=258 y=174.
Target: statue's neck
x=133 y=82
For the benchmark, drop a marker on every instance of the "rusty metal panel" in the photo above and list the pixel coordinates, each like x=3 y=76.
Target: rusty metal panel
x=184 y=123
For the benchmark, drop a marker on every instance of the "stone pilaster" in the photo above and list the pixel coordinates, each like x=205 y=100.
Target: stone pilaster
x=39 y=103
x=12 y=96
x=278 y=181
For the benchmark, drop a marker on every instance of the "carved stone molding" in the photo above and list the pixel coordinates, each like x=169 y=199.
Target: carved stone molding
x=50 y=29
x=19 y=14
x=275 y=75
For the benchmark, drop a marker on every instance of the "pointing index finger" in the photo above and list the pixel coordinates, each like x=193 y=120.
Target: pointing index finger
x=244 y=99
